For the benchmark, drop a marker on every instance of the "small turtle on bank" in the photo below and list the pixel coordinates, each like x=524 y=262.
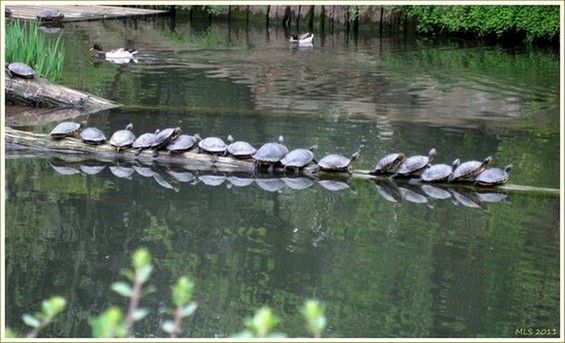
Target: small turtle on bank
x=50 y=15
x=92 y=135
x=466 y=171
x=270 y=154
x=240 y=149
x=7 y=12
x=163 y=138
x=183 y=143
x=337 y=163
x=65 y=129
x=439 y=172
x=388 y=164
x=145 y=141
x=299 y=158
x=123 y=138
x=414 y=164
x=20 y=70
x=493 y=176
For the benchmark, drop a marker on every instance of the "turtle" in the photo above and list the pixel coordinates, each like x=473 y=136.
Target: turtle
x=466 y=171
x=439 y=172
x=7 y=12
x=491 y=197
x=183 y=143
x=389 y=163
x=143 y=171
x=66 y=129
x=122 y=172
x=388 y=192
x=62 y=167
x=123 y=138
x=92 y=135
x=144 y=141
x=493 y=176
x=212 y=180
x=270 y=185
x=212 y=145
x=181 y=176
x=91 y=168
x=299 y=158
x=163 y=138
x=298 y=183
x=240 y=149
x=50 y=15
x=463 y=200
x=50 y=29
x=240 y=181
x=20 y=69
x=162 y=182
x=414 y=164
x=270 y=154
x=335 y=162
x=411 y=196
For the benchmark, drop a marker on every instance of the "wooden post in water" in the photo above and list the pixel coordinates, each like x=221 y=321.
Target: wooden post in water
x=381 y=23
x=286 y=18
x=311 y=19
x=267 y=16
x=347 y=17
x=298 y=19
x=356 y=24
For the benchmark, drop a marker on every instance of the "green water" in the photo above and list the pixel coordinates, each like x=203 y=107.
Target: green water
x=458 y=267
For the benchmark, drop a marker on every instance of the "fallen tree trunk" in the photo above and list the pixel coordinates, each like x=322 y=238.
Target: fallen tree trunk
x=73 y=151
x=40 y=92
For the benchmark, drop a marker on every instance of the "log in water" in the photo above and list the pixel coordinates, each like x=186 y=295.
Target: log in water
x=73 y=150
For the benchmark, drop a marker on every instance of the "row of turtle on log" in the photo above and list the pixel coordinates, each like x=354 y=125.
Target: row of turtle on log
x=277 y=154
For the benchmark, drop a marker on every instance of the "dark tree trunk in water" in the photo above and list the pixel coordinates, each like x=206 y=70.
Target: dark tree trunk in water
x=247 y=17
x=322 y=20
x=311 y=19
x=298 y=20
x=229 y=15
x=347 y=16
x=381 y=23
x=286 y=18
x=356 y=21
x=267 y=16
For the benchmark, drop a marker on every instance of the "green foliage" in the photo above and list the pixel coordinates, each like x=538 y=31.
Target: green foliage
x=313 y=313
x=181 y=295
x=50 y=308
x=261 y=325
x=536 y=22
x=110 y=323
x=182 y=291
x=25 y=43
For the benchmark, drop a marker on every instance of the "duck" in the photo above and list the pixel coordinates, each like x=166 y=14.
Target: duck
x=120 y=53
x=303 y=39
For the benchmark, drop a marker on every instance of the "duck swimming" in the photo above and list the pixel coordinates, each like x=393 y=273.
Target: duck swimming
x=120 y=53
x=303 y=39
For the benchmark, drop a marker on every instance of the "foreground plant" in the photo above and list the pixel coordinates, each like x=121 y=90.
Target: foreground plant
x=50 y=308
x=313 y=312
x=260 y=325
x=182 y=294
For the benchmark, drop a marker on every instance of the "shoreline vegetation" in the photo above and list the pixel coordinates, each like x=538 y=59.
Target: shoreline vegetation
x=537 y=24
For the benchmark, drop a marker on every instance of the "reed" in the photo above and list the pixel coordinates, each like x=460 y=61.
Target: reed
x=25 y=43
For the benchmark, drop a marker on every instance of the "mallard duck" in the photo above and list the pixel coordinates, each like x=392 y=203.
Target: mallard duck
x=120 y=53
x=303 y=39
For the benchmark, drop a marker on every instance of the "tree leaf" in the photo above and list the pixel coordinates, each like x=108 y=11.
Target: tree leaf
x=31 y=320
x=144 y=272
x=122 y=289
x=168 y=326
x=140 y=313
x=189 y=309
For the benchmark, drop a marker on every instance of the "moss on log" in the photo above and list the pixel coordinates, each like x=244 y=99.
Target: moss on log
x=73 y=150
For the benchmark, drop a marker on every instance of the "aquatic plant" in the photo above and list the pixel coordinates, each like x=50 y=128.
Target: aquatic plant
x=25 y=43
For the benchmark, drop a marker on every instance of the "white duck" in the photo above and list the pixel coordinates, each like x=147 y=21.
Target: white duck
x=120 y=53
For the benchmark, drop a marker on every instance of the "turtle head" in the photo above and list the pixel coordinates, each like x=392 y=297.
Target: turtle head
x=157 y=131
x=230 y=139
x=508 y=168
x=456 y=164
x=432 y=154
x=82 y=124
x=96 y=47
x=197 y=137
x=313 y=147
x=177 y=130
x=281 y=139
x=487 y=161
x=129 y=127
x=355 y=155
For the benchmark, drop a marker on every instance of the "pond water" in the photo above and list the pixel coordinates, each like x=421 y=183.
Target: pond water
x=385 y=261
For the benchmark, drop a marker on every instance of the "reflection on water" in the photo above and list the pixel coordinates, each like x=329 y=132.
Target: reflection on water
x=389 y=260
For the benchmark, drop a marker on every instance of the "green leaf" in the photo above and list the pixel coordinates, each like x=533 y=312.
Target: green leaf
x=53 y=306
x=168 y=326
x=189 y=309
x=182 y=291
x=140 y=313
x=110 y=323
x=144 y=272
x=243 y=334
x=122 y=289
x=9 y=333
x=128 y=273
x=141 y=258
x=31 y=320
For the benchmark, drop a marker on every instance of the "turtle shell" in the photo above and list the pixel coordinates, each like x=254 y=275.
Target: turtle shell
x=214 y=145
x=438 y=172
x=92 y=135
x=145 y=141
x=270 y=153
x=21 y=70
x=298 y=158
x=389 y=163
x=469 y=169
x=123 y=138
x=182 y=143
x=336 y=162
x=414 y=164
x=493 y=176
x=435 y=192
x=334 y=185
x=49 y=14
x=164 y=137
x=65 y=129
x=241 y=149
